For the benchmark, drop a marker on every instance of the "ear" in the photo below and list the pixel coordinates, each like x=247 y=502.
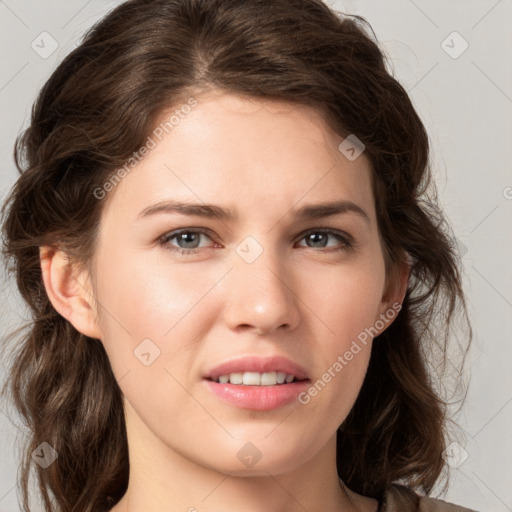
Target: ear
x=393 y=293
x=69 y=291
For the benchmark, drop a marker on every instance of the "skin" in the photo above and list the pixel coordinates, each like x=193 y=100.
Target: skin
x=261 y=159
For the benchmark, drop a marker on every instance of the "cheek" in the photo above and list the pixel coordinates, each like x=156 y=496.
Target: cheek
x=347 y=298
x=152 y=334
x=348 y=309
x=143 y=298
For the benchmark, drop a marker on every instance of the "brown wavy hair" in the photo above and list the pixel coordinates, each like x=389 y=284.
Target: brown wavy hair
x=99 y=106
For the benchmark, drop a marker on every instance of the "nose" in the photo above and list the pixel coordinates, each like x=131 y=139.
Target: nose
x=261 y=295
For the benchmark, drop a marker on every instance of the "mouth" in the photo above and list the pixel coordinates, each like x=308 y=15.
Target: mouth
x=257 y=379
x=255 y=371
x=260 y=384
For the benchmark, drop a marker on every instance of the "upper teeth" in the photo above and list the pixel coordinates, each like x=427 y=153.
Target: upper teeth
x=256 y=379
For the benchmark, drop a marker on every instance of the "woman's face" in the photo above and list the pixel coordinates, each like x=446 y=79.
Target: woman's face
x=261 y=282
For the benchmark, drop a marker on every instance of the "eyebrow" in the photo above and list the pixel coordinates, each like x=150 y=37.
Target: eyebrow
x=308 y=212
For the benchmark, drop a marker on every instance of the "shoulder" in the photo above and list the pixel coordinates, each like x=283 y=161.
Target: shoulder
x=399 y=498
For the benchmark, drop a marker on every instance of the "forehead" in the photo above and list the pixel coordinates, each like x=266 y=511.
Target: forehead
x=244 y=152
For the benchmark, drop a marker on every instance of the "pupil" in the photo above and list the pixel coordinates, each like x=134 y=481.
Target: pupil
x=185 y=236
x=314 y=237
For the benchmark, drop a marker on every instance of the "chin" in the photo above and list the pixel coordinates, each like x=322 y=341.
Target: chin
x=260 y=469
x=250 y=462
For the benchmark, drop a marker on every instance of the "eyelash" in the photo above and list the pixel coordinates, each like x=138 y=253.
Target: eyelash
x=347 y=244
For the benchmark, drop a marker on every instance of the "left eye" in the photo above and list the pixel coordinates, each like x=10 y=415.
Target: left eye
x=191 y=239
x=319 y=236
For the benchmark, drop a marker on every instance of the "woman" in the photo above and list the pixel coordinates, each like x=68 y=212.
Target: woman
x=223 y=230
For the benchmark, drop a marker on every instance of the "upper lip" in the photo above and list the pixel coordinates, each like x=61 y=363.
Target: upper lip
x=258 y=364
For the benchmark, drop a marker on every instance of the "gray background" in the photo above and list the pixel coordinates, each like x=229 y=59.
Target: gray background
x=465 y=100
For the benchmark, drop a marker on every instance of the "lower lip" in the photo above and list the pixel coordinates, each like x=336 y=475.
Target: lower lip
x=258 y=398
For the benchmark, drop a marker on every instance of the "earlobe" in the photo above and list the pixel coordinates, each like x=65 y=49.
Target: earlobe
x=69 y=291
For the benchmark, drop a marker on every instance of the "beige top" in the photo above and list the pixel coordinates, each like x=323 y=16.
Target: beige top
x=399 y=498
